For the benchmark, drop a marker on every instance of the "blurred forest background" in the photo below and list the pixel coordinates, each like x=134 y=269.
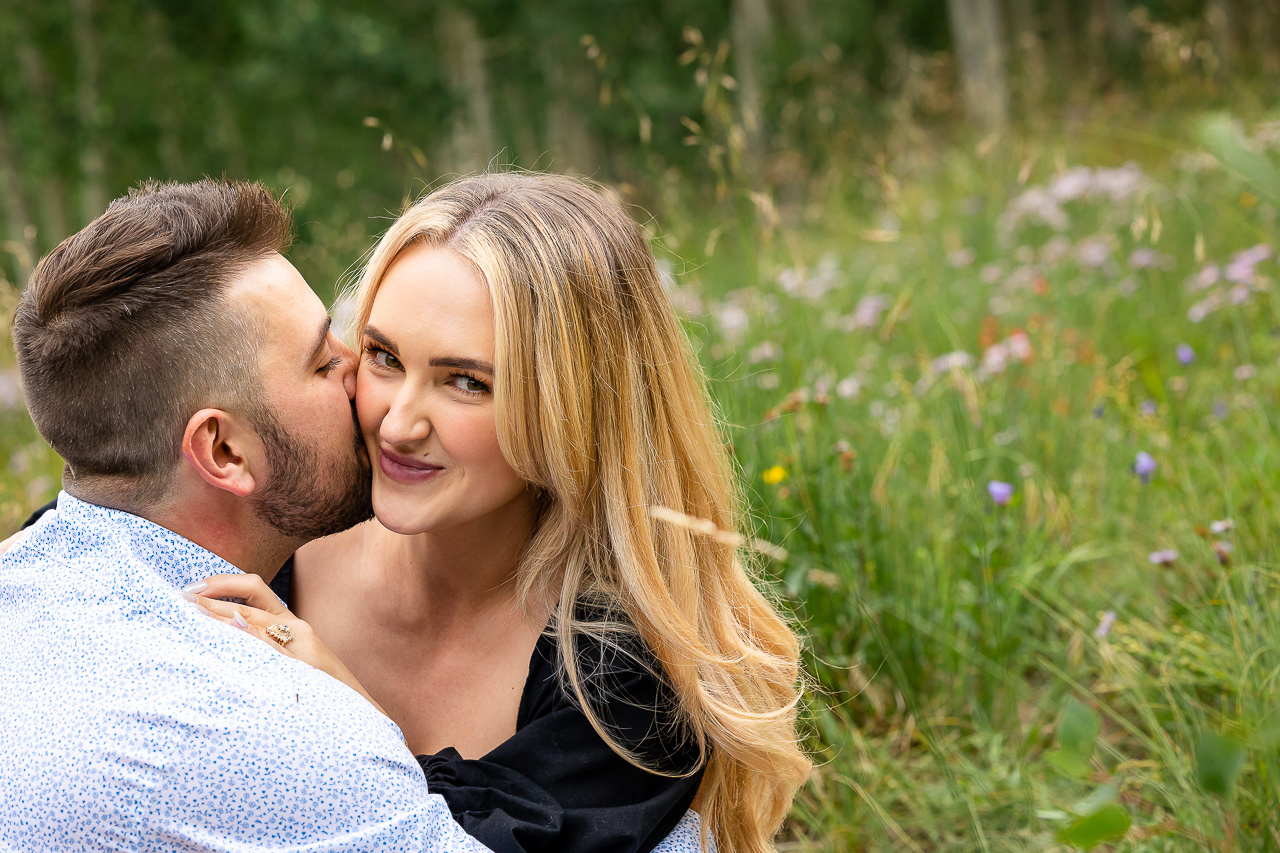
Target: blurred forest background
x=985 y=290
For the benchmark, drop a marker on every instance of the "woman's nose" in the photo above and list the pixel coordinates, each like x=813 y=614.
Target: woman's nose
x=407 y=420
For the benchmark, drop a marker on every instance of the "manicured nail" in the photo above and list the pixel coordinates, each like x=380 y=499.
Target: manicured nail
x=201 y=586
x=189 y=596
x=239 y=622
x=203 y=609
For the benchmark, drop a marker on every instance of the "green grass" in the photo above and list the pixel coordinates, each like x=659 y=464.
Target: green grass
x=945 y=634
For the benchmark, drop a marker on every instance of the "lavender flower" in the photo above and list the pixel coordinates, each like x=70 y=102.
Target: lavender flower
x=1104 y=624
x=1186 y=354
x=1144 y=466
x=1162 y=558
x=1001 y=492
x=1148 y=408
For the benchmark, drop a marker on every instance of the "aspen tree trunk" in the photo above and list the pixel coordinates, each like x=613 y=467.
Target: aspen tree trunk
x=472 y=136
x=167 y=120
x=93 y=164
x=20 y=240
x=569 y=138
x=751 y=34
x=978 y=36
x=35 y=79
x=1027 y=53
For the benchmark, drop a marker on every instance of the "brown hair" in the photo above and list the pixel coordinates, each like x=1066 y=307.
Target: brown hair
x=124 y=330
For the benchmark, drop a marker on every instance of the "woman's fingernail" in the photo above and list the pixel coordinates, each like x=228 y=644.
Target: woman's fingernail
x=189 y=596
x=203 y=609
x=201 y=586
x=239 y=622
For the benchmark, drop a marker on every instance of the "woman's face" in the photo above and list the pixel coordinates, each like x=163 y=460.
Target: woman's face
x=424 y=394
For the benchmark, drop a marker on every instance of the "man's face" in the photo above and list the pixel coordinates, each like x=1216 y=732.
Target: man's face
x=318 y=480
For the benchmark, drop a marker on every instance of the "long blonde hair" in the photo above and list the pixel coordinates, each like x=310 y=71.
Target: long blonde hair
x=602 y=408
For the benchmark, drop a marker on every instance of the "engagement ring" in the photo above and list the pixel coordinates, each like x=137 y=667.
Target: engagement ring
x=282 y=634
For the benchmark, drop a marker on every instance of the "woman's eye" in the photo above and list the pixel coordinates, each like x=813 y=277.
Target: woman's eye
x=469 y=384
x=382 y=358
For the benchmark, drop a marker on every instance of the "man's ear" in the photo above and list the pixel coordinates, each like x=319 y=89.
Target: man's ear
x=218 y=445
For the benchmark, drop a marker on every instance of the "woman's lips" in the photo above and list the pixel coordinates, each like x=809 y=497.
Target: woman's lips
x=406 y=469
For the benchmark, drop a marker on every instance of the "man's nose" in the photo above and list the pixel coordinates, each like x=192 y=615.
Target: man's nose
x=348 y=369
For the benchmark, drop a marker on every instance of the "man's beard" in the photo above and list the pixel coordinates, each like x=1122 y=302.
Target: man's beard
x=302 y=499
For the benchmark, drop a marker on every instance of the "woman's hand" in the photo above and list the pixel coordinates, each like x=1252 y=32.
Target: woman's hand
x=245 y=602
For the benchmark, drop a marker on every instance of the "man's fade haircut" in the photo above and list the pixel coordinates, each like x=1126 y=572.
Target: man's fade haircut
x=125 y=330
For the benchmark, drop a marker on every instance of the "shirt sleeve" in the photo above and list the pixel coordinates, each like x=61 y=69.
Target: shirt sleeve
x=604 y=803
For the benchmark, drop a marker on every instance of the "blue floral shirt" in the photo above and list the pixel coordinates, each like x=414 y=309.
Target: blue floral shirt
x=129 y=721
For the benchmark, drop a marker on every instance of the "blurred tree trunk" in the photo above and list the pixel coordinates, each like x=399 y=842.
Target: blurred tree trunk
x=35 y=80
x=751 y=32
x=801 y=20
x=1065 y=61
x=93 y=164
x=1028 y=57
x=1265 y=27
x=21 y=234
x=569 y=86
x=1225 y=28
x=1110 y=33
x=978 y=37
x=167 y=120
x=472 y=137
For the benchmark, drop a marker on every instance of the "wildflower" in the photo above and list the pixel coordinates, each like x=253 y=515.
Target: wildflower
x=1143 y=258
x=1245 y=371
x=1162 y=558
x=1222 y=526
x=849 y=387
x=1148 y=408
x=1001 y=493
x=961 y=257
x=1222 y=550
x=1178 y=384
x=1099 y=410
x=1144 y=466
x=1104 y=624
x=774 y=475
x=1186 y=354
x=1220 y=409
x=766 y=351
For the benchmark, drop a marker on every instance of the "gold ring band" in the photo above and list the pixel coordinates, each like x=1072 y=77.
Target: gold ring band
x=282 y=634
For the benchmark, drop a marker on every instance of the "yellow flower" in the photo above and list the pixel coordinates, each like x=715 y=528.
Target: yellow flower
x=774 y=475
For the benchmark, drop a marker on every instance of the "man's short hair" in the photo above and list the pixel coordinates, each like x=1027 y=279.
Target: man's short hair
x=125 y=331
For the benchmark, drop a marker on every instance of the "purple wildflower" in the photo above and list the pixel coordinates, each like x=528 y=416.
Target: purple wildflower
x=1001 y=492
x=1148 y=408
x=1186 y=354
x=1104 y=624
x=1162 y=558
x=1144 y=466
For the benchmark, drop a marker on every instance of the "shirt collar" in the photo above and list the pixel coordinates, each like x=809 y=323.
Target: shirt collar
x=176 y=560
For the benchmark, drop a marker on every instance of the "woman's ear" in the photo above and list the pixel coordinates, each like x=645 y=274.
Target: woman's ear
x=219 y=446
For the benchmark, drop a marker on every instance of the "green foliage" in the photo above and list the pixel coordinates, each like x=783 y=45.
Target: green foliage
x=1219 y=760
x=1109 y=823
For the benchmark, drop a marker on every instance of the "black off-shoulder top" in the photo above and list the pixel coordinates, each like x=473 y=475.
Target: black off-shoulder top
x=556 y=785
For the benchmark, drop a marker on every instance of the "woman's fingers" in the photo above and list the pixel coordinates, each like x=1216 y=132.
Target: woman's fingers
x=247 y=589
x=253 y=621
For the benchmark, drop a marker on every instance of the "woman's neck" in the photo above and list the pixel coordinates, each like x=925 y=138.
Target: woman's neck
x=435 y=579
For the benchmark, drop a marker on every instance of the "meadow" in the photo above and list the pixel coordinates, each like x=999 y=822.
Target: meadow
x=1008 y=407
x=1011 y=413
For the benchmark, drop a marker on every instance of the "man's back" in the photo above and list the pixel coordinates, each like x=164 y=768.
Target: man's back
x=129 y=721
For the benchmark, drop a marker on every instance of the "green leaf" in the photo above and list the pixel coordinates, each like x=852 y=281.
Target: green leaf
x=1219 y=759
x=1104 y=795
x=1109 y=823
x=1069 y=762
x=1077 y=728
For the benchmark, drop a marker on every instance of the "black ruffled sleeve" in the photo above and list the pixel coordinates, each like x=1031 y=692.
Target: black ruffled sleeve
x=607 y=804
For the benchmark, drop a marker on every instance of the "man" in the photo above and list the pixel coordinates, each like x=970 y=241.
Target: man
x=188 y=377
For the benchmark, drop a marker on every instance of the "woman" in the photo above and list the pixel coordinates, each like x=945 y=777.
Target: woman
x=559 y=656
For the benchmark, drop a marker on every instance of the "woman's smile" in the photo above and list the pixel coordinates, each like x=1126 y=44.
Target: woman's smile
x=406 y=469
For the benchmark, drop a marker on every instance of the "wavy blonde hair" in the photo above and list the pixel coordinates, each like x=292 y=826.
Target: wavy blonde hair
x=601 y=407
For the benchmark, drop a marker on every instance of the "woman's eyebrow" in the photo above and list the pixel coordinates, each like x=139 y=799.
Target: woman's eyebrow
x=371 y=332
x=463 y=364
